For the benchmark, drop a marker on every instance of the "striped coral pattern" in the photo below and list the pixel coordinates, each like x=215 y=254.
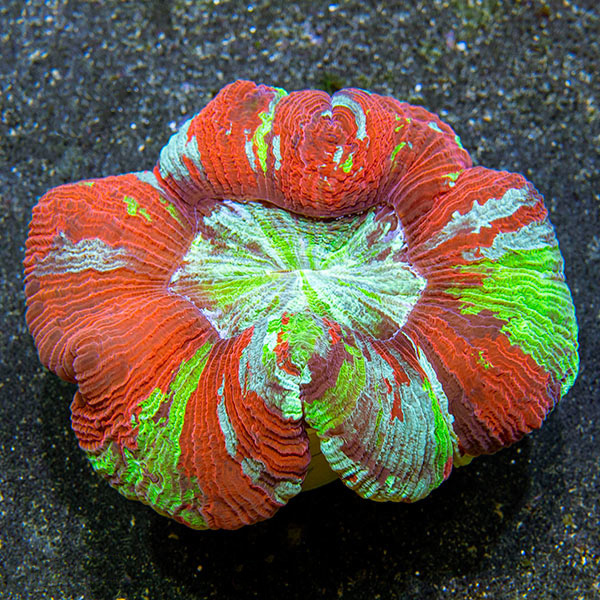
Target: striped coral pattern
x=305 y=287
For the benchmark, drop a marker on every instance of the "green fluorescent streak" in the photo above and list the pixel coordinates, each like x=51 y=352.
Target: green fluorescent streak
x=443 y=439
x=266 y=118
x=302 y=335
x=338 y=402
x=482 y=361
x=149 y=472
x=316 y=304
x=174 y=213
x=145 y=214
x=133 y=208
x=132 y=205
x=526 y=289
x=396 y=150
x=454 y=176
x=171 y=210
x=347 y=164
x=281 y=240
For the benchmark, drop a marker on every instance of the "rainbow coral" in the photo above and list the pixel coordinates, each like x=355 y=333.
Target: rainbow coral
x=301 y=275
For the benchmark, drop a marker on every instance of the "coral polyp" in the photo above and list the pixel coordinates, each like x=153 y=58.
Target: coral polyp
x=301 y=277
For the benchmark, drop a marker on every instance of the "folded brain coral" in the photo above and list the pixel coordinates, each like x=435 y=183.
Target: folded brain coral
x=301 y=276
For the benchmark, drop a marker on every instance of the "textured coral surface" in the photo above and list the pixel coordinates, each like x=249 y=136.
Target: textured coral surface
x=299 y=263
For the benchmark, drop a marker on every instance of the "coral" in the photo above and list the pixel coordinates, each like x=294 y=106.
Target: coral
x=301 y=275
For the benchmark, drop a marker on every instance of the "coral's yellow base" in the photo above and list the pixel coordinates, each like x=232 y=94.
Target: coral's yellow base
x=319 y=472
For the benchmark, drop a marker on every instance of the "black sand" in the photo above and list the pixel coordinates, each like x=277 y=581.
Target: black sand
x=95 y=88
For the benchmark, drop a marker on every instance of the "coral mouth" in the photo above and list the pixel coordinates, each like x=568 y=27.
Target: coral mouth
x=250 y=262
